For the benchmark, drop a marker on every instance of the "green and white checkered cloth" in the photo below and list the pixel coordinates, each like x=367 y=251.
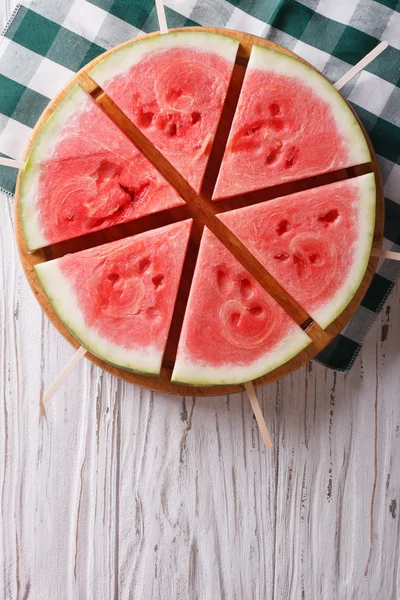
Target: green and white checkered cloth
x=46 y=41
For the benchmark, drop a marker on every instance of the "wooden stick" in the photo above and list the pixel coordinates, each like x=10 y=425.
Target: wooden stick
x=64 y=373
x=360 y=65
x=258 y=414
x=9 y=162
x=385 y=254
x=161 y=16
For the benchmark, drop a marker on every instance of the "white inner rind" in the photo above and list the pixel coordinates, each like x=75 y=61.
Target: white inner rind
x=362 y=250
x=198 y=373
x=50 y=136
x=61 y=295
x=123 y=59
x=269 y=60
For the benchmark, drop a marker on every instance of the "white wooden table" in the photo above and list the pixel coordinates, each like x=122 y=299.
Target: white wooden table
x=113 y=492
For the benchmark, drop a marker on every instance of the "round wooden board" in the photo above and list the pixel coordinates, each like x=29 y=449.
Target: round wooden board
x=163 y=383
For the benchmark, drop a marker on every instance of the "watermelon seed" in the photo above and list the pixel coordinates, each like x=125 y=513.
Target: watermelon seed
x=276 y=124
x=283 y=227
x=128 y=191
x=196 y=117
x=113 y=277
x=314 y=259
x=255 y=310
x=246 y=288
x=273 y=151
x=281 y=256
x=235 y=319
x=329 y=217
x=145 y=118
x=158 y=281
x=152 y=311
x=291 y=156
x=274 y=109
x=222 y=279
x=271 y=157
x=143 y=265
x=171 y=129
x=299 y=263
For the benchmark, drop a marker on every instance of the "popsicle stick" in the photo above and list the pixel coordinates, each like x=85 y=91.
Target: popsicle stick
x=385 y=254
x=360 y=65
x=258 y=414
x=161 y=16
x=9 y=162
x=64 y=373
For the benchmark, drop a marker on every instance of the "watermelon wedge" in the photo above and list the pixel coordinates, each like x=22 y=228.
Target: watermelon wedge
x=315 y=243
x=83 y=175
x=173 y=88
x=117 y=299
x=290 y=123
x=233 y=330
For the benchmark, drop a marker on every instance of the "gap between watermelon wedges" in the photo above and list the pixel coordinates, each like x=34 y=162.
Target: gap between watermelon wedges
x=117 y=299
x=290 y=123
x=173 y=87
x=83 y=175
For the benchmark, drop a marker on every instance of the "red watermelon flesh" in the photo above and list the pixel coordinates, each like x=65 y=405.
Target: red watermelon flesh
x=290 y=123
x=315 y=243
x=175 y=96
x=117 y=299
x=89 y=177
x=233 y=330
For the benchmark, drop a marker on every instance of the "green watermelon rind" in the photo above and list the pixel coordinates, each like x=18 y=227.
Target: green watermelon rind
x=270 y=60
x=123 y=59
x=42 y=150
x=197 y=374
x=325 y=315
x=62 y=298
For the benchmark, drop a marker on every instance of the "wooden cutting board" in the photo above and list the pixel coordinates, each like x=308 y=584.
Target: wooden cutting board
x=163 y=383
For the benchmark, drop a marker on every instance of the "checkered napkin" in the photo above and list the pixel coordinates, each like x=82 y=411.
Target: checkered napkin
x=46 y=41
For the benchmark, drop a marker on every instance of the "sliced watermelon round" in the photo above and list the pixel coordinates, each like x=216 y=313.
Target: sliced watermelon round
x=233 y=330
x=315 y=243
x=83 y=175
x=173 y=88
x=118 y=299
x=290 y=123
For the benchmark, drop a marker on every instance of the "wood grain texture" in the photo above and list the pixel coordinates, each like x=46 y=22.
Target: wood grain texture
x=203 y=211
x=117 y=493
